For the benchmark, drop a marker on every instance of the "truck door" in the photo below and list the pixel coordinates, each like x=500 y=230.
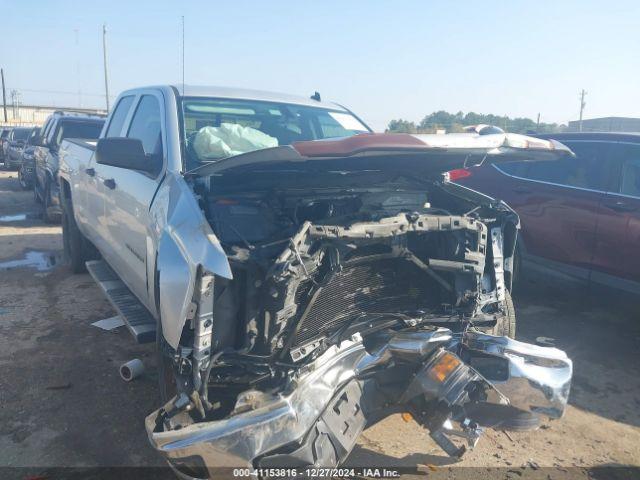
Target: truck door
x=90 y=190
x=128 y=194
x=616 y=262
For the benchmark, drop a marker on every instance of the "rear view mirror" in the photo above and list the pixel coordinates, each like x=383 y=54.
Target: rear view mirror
x=125 y=153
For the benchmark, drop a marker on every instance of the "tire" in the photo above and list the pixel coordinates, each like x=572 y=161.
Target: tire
x=36 y=197
x=517 y=279
x=77 y=249
x=46 y=206
x=506 y=324
x=23 y=183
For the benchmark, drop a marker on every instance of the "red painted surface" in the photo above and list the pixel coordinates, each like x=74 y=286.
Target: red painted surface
x=558 y=223
x=345 y=147
x=618 y=238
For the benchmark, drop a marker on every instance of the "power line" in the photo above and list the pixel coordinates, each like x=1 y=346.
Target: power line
x=59 y=92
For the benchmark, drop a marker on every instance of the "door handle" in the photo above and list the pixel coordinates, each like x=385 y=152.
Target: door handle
x=90 y=171
x=110 y=183
x=620 y=206
x=522 y=190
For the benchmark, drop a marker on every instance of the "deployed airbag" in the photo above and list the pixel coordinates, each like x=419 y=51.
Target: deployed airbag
x=229 y=139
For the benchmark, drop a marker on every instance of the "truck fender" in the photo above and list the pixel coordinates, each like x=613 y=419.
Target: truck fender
x=186 y=246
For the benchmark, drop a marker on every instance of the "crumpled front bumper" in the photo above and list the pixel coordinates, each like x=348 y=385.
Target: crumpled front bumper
x=331 y=401
x=533 y=378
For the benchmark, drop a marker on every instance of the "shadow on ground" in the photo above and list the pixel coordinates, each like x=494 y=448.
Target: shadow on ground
x=600 y=331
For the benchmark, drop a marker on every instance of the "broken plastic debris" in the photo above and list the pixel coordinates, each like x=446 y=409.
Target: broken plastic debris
x=109 y=323
x=545 y=341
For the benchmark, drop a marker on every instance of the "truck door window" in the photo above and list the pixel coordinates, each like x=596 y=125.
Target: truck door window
x=118 y=116
x=45 y=129
x=146 y=126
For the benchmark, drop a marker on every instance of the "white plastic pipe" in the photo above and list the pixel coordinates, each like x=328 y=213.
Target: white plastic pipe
x=132 y=369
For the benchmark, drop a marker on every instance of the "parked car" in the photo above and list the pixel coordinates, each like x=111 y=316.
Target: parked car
x=301 y=276
x=26 y=170
x=15 y=146
x=5 y=137
x=580 y=216
x=59 y=126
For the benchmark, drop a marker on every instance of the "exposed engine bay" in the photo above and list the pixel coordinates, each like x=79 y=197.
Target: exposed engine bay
x=313 y=266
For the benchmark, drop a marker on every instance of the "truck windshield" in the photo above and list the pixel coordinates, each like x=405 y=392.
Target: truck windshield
x=21 y=133
x=33 y=135
x=219 y=128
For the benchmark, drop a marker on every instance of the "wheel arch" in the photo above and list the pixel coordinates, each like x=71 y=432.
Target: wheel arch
x=65 y=189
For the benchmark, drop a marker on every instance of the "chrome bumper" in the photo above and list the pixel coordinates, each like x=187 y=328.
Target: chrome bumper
x=535 y=379
x=238 y=440
x=538 y=379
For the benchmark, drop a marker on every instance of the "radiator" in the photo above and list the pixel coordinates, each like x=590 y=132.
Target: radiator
x=392 y=285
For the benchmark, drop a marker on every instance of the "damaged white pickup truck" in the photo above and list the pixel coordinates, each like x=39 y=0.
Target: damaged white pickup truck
x=303 y=277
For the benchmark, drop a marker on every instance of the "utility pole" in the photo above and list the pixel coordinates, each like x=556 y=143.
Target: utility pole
x=104 y=56
x=4 y=96
x=538 y=124
x=15 y=102
x=582 y=105
x=75 y=31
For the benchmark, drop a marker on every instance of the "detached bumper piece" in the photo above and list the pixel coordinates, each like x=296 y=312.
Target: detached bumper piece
x=441 y=379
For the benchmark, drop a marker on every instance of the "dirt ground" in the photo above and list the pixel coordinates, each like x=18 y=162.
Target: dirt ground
x=62 y=402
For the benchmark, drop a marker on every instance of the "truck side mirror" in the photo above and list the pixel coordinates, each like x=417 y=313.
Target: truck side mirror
x=125 y=153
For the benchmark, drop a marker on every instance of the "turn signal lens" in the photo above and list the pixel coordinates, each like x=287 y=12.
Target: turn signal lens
x=446 y=364
x=406 y=416
x=458 y=173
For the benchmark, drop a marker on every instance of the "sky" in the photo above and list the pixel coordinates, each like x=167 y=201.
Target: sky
x=383 y=59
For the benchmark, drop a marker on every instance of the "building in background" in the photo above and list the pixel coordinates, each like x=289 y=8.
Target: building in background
x=29 y=115
x=606 y=124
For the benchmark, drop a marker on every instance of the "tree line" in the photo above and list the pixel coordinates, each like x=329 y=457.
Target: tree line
x=455 y=122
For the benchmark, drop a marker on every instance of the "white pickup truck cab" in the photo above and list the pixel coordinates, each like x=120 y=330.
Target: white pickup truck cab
x=303 y=277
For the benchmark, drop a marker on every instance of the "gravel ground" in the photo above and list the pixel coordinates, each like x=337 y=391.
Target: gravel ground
x=64 y=404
